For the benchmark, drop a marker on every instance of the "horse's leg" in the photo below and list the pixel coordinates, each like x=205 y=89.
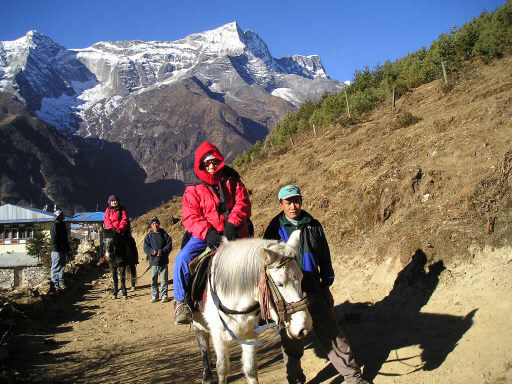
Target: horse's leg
x=122 y=271
x=249 y=363
x=222 y=353
x=133 y=275
x=203 y=340
x=113 y=270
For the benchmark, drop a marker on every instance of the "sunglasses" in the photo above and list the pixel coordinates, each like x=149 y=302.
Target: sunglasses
x=211 y=162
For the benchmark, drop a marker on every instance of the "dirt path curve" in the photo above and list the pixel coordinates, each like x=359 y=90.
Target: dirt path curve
x=91 y=338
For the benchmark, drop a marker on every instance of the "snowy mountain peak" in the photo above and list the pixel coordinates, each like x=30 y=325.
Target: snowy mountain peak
x=66 y=86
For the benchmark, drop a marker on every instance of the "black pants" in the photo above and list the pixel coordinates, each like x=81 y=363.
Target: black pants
x=122 y=272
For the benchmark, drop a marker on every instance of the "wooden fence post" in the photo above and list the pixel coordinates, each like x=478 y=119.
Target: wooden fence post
x=348 y=108
x=393 y=101
x=444 y=72
x=314 y=129
x=291 y=141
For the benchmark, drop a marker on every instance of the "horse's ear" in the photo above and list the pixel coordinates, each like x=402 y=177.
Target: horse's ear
x=294 y=240
x=269 y=256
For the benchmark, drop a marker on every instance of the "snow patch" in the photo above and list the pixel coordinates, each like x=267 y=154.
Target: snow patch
x=287 y=94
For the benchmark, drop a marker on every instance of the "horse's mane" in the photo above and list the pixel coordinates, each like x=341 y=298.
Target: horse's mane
x=238 y=266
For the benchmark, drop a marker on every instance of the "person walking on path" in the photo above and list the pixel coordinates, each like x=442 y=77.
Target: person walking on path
x=59 y=248
x=217 y=204
x=314 y=259
x=157 y=246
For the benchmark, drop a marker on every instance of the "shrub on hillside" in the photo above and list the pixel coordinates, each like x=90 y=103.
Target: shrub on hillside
x=406 y=119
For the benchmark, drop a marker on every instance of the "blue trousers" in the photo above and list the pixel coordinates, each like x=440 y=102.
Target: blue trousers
x=57 y=269
x=181 y=274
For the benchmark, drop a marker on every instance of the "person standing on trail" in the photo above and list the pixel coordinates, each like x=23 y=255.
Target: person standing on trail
x=314 y=259
x=157 y=246
x=117 y=221
x=217 y=204
x=60 y=247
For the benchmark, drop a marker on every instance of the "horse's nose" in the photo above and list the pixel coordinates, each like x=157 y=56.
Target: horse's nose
x=302 y=333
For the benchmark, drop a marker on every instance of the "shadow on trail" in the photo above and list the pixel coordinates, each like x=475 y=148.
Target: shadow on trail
x=396 y=322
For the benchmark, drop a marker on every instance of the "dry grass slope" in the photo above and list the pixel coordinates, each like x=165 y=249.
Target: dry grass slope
x=438 y=189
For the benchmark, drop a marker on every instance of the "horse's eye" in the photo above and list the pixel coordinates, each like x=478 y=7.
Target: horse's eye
x=280 y=285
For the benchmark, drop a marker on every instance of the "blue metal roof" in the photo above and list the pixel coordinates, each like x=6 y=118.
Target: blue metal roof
x=83 y=217
x=28 y=221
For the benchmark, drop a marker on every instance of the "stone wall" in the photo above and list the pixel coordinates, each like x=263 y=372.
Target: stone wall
x=32 y=276
x=6 y=278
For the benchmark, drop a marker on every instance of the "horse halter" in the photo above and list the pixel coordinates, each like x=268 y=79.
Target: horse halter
x=284 y=309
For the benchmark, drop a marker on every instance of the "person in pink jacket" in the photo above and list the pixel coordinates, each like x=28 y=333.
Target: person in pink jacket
x=117 y=221
x=216 y=205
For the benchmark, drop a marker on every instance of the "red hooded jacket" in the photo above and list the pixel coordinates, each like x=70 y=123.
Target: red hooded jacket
x=200 y=204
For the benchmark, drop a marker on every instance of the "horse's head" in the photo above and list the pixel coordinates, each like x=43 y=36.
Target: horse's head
x=109 y=243
x=290 y=307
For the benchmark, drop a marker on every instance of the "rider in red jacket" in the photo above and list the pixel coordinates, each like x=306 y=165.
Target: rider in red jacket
x=116 y=219
x=218 y=204
x=115 y=216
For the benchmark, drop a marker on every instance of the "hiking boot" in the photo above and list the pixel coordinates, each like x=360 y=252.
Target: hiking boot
x=164 y=299
x=182 y=313
x=153 y=299
x=114 y=296
x=132 y=289
x=125 y=297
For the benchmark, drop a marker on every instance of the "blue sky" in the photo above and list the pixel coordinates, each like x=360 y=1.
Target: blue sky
x=347 y=35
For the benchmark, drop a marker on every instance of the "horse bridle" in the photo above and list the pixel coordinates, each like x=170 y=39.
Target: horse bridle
x=284 y=309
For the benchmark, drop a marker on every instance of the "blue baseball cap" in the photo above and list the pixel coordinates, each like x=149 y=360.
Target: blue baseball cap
x=288 y=191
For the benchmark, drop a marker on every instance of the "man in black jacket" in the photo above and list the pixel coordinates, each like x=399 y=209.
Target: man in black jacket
x=314 y=259
x=60 y=247
x=157 y=246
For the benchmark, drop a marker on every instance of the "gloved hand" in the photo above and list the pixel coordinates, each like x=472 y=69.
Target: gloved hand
x=230 y=231
x=213 y=238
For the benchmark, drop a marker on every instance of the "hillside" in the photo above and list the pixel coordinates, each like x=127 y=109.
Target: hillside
x=439 y=189
x=419 y=223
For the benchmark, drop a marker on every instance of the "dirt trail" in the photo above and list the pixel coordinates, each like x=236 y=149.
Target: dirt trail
x=462 y=333
x=95 y=339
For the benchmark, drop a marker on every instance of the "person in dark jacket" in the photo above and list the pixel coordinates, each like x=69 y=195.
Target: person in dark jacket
x=60 y=247
x=157 y=246
x=314 y=259
x=217 y=205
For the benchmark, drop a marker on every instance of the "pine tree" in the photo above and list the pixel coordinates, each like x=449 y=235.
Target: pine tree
x=39 y=247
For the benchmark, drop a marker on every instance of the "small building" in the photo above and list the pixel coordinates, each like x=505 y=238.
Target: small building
x=87 y=224
x=20 y=270
x=17 y=226
x=17 y=223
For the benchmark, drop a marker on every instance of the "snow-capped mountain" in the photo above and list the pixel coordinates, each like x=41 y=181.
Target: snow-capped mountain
x=60 y=84
x=158 y=100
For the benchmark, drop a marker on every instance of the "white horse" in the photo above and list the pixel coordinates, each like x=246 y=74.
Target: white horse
x=240 y=270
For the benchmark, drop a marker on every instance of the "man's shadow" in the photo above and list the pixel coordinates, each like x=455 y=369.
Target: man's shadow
x=396 y=322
